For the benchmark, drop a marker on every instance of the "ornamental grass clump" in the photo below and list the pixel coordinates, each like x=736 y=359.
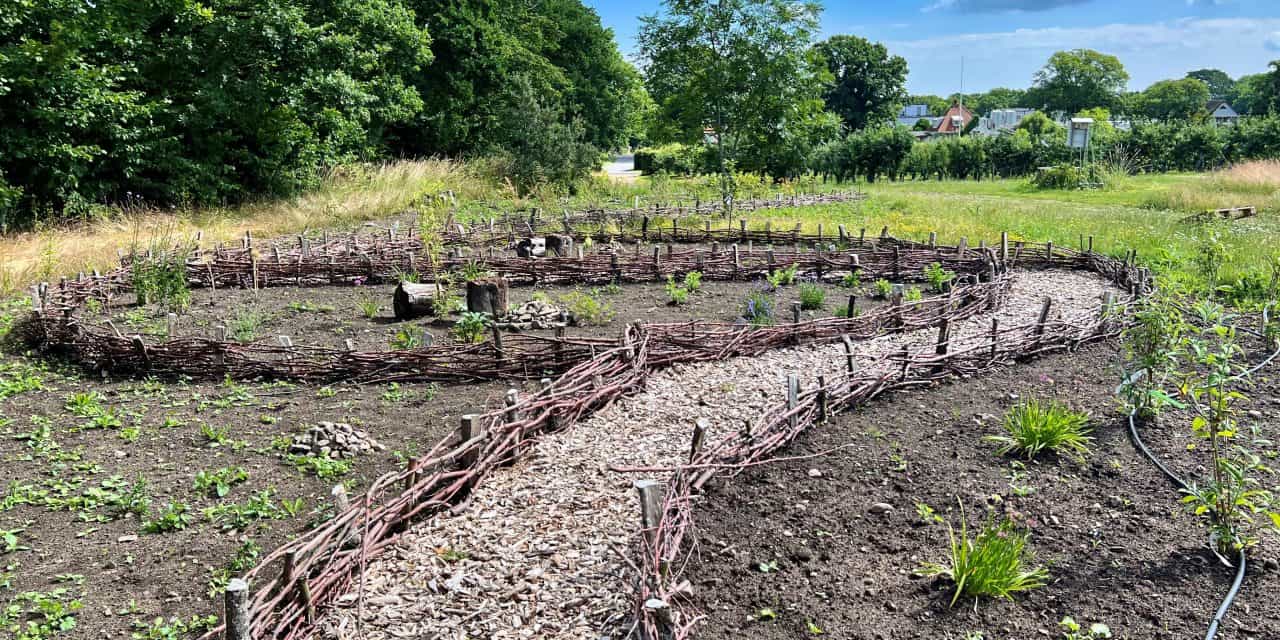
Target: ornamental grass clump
x=994 y=563
x=1033 y=427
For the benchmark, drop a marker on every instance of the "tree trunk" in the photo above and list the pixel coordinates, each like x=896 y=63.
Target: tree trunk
x=488 y=295
x=413 y=300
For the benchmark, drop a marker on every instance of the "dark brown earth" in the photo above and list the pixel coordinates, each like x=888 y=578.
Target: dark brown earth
x=122 y=575
x=1117 y=544
x=326 y=316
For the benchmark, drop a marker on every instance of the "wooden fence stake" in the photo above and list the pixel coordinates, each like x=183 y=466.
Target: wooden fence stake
x=471 y=428
x=699 y=433
x=853 y=306
x=793 y=399
x=822 y=398
x=1044 y=317
x=848 y=354
x=944 y=338
x=1004 y=246
x=236 y=610
x=995 y=336
x=512 y=416
x=650 y=508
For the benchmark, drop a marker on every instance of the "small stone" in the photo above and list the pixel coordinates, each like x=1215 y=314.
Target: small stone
x=1255 y=414
x=880 y=508
x=814 y=473
x=128 y=538
x=1271 y=564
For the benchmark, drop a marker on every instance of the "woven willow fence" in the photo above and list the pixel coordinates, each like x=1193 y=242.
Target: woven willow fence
x=294 y=583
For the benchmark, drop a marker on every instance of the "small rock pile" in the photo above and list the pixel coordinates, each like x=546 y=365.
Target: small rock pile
x=334 y=439
x=534 y=314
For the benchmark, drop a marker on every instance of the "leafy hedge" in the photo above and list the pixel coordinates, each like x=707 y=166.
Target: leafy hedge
x=893 y=153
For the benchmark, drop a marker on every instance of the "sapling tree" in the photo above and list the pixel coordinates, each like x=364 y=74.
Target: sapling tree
x=1231 y=498
x=1152 y=344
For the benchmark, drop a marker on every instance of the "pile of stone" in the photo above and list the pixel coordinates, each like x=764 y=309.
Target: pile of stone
x=335 y=440
x=534 y=314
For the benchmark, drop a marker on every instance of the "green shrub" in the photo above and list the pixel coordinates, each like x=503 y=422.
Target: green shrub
x=812 y=296
x=994 y=563
x=588 y=309
x=470 y=327
x=173 y=517
x=407 y=337
x=783 y=277
x=160 y=277
x=852 y=280
x=912 y=294
x=937 y=277
x=884 y=288
x=1033 y=427
x=218 y=483
x=693 y=281
x=676 y=294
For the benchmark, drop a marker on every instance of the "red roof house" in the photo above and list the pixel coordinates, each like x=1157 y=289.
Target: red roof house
x=954 y=120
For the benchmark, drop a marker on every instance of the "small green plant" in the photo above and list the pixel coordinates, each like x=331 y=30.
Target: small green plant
x=937 y=277
x=766 y=615
x=322 y=466
x=676 y=294
x=245 y=325
x=218 y=483
x=472 y=271
x=769 y=566
x=912 y=294
x=994 y=563
x=782 y=277
x=172 y=629
x=173 y=517
x=1072 y=630
x=408 y=337
x=307 y=306
x=369 y=308
x=1210 y=255
x=588 y=309
x=757 y=310
x=693 y=281
x=1033 y=427
x=883 y=289
x=927 y=515
x=812 y=296
x=215 y=436
x=452 y=555
x=851 y=280
x=470 y=327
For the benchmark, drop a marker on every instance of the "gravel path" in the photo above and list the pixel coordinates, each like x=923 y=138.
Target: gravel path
x=535 y=555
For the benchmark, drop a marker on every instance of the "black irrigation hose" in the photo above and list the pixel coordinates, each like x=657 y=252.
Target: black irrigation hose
x=1182 y=485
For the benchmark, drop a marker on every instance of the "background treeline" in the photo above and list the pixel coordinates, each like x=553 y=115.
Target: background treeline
x=178 y=102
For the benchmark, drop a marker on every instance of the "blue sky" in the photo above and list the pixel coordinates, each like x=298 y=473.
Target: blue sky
x=1004 y=42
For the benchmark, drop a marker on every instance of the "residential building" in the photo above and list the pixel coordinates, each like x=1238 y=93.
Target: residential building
x=1221 y=113
x=954 y=120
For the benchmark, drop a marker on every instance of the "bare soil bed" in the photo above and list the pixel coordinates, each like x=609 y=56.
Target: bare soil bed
x=1118 y=546
x=70 y=465
x=326 y=316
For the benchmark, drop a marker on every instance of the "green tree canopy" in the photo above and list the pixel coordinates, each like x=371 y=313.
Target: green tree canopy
x=937 y=104
x=1220 y=84
x=1250 y=95
x=1175 y=99
x=997 y=98
x=737 y=72
x=1076 y=80
x=870 y=84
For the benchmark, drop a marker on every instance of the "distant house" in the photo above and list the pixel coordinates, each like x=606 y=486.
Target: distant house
x=954 y=120
x=1000 y=121
x=1221 y=113
x=912 y=114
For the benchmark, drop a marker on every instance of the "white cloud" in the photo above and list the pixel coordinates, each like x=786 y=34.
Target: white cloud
x=1000 y=6
x=1272 y=42
x=1150 y=51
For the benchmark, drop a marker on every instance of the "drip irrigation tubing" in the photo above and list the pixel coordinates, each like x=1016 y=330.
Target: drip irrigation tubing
x=1182 y=485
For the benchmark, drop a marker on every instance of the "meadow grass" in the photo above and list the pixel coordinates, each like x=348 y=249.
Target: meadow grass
x=1143 y=213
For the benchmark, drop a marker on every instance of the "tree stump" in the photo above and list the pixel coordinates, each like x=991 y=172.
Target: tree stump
x=488 y=295
x=412 y=300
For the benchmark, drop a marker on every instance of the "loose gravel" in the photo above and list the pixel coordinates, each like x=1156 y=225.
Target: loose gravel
x=537 y=553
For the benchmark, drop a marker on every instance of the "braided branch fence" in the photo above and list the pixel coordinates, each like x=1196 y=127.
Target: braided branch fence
x=296 y=581
x=662 y=608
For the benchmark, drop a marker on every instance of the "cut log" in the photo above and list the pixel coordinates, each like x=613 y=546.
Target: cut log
x=413 y=300
x=488 y=295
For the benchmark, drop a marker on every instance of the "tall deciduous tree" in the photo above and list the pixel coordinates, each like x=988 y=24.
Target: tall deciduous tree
x=1251 y=95
x=870 y=83
x=736 y=72
x=1169 y=100
x=1220 y=84
x=1076 y=80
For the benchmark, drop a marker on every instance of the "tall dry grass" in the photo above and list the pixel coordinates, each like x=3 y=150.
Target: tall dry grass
x=347 y=197
x=1248 y=184
x=1259 y=176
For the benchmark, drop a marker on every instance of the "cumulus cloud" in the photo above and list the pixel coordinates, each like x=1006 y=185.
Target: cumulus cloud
x=1272 y=42
x=998 y=6
x=1187 y=33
